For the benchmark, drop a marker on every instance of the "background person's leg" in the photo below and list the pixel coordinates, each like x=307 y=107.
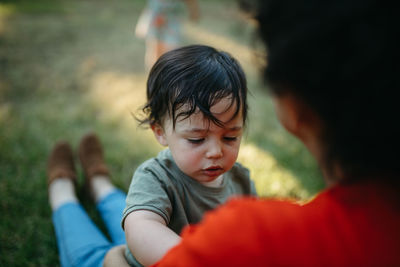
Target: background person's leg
x=110 y=201
x=79 y=241
x=110 y=208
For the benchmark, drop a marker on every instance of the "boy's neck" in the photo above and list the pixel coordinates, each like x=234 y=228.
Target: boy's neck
x=215 y=183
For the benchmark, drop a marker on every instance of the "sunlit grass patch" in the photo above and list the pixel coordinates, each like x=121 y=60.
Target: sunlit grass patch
x=6 y=9
x=271 y=179
x=118 y=94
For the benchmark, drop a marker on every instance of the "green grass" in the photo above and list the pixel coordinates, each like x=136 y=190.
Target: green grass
x=69 y=67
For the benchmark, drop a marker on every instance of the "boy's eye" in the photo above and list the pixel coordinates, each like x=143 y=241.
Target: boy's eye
x=196 y=141
x=230 y=138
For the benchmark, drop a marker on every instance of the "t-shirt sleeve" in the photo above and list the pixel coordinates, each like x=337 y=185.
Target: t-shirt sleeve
x=148 y=192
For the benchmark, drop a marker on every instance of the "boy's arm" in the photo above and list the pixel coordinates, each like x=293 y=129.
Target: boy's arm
x=148 y=237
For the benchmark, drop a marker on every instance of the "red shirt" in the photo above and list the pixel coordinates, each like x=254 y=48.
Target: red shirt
x=348 y=225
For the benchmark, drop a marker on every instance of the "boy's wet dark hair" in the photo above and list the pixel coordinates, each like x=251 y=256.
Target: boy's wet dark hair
x=341 y=58
x=197 y=77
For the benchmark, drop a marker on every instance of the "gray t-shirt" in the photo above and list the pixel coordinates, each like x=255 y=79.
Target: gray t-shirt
x=158 y=185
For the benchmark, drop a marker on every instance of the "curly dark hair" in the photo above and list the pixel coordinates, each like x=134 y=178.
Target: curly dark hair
x=198 y=76
x=340 y=57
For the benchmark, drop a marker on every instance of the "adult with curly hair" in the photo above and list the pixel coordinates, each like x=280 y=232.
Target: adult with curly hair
x=333 y=73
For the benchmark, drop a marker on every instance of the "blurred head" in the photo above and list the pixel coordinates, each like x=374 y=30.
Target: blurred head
x=197 y=106
x=340 y=59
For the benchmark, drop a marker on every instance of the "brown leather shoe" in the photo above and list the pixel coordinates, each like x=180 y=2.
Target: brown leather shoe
x=61 y=163
x=91 y=157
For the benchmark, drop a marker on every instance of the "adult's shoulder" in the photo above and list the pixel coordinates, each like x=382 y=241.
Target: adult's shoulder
x=250 y=232
x=345 y=225
x=237 y=234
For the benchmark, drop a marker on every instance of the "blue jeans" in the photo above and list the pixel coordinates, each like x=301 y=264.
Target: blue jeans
x=80 y=242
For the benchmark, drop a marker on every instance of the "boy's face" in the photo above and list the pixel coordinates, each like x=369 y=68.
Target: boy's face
x=201 y=149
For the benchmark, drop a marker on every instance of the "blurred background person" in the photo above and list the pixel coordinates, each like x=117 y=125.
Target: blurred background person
x=160 y=25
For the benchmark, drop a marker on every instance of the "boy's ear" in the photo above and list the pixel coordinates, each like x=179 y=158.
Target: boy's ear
x=159 y=134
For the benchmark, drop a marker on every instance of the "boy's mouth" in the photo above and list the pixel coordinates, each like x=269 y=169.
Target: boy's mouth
x=213 y=171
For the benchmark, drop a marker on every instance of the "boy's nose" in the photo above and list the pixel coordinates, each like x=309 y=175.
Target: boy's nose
x=214 y=151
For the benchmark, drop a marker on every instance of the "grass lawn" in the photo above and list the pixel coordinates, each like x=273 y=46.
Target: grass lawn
x=68 y=67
